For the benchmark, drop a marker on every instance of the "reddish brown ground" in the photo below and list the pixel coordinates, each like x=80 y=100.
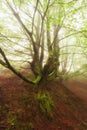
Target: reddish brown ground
x=79 y=87
x=19 y=107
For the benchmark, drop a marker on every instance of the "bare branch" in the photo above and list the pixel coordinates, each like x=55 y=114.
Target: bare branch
x=72 y=34
x=22 y=24
x=73 y=46
x=43 y=17
x=56 y=34
x=9 y=39
x=34 y=14
x=72 y=53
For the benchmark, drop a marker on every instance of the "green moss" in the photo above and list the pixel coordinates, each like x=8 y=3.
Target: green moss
x=45 y=104
x=36 y=81
x=51 y=76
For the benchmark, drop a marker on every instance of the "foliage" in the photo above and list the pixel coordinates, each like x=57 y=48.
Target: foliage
x=44 y=36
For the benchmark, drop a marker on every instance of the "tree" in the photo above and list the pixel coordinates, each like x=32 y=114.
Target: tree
x=36 y=34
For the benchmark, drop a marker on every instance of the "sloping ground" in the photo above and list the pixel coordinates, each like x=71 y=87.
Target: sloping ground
x=20 y=108
x=79 y=87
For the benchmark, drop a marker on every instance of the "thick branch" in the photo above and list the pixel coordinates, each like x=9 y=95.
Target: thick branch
x=10 y=67
x=3 y=63
x=42 y=49
x=56 y=34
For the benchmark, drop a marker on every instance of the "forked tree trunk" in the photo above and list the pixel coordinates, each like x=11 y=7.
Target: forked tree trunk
x=51 y=68
x=38 y=42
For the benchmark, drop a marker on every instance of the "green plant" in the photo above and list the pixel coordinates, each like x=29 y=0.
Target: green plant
x=12 y=121
x=28 y=126
x=45 y=103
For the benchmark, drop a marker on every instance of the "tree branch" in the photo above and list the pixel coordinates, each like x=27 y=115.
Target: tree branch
x=72 y=34
x=34 y=14
x=43 y=17
x=3 y=63
x=10 y=67
x=22 y=24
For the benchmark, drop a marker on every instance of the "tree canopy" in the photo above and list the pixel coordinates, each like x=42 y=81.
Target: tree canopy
x=48 y=37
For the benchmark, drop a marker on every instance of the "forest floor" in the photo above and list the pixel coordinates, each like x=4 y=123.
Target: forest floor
x=53 y=108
